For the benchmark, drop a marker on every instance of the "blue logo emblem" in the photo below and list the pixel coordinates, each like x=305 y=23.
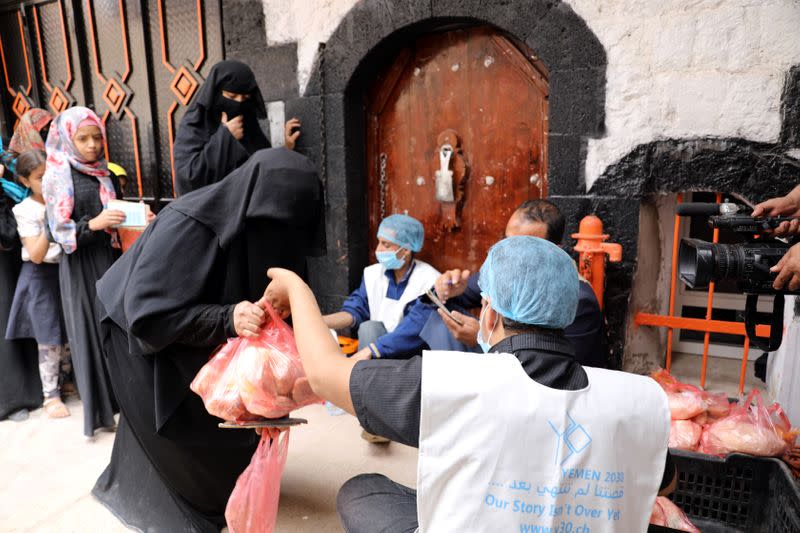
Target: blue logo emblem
x=572 y=441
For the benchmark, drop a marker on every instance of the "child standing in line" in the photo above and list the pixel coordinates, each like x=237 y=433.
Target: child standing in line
x=36 y=310
x=77 y=187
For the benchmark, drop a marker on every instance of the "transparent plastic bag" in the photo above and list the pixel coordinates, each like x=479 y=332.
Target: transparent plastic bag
x=684 y=435
x=748 y=428
x=685 y=401
x=253 y=505
x=216 y=384
x=667 y=514
x=271 y=378
x=249 y=378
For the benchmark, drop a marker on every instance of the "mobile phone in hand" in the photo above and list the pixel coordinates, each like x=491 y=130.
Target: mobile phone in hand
x=435 y=299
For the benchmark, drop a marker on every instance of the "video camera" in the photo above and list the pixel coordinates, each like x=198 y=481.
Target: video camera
x=748 y=263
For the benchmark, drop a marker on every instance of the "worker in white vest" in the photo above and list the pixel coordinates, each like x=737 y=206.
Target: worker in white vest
x=387 y=289
x=522 y=438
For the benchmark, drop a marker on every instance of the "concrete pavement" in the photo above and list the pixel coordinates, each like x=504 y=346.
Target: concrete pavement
x=48 y=468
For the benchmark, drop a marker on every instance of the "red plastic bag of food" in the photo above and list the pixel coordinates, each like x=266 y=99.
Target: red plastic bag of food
x=253 y=505
x=216 y=384
x=718 y=404
x=747 y=429
x=684 y=435
x=782 y=424
x=667 y=514
x=685 y=401
x=271 y=379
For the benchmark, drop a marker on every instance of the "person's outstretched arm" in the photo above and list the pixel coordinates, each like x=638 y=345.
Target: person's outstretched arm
x=327 y=369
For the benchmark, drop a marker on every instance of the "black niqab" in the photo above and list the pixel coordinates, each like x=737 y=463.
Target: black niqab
x=205 y=151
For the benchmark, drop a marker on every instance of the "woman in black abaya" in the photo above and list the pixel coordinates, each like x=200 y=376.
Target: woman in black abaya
x=184 y=287
x=220 y=130
x=20 y=386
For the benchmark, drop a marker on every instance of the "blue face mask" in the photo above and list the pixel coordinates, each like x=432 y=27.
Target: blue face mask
x=389 y=260
x=484 y=344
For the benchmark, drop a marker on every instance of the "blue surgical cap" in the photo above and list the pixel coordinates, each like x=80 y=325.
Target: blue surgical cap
x=531 y=280
x=403 y=230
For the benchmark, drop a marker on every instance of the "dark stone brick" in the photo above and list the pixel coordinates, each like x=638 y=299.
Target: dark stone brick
x=620 y=218
x=577 y=102
x=756 y=170
x=367 y=24
x=790 y=108
x=243 y=25
x=565 y=156
x=275 y=69
x=563 y=41
x=515 y=17
x=346 y=174
x=330 y=303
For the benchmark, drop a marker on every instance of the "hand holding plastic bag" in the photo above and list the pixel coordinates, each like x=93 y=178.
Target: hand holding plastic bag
x=253 y=505
x=256 y=377
x=271 y=378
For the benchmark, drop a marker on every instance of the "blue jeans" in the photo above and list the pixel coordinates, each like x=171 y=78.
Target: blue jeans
x=369 y=332
x=438 y=337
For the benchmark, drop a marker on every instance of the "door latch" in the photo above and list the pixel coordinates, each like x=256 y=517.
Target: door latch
x=444 y=176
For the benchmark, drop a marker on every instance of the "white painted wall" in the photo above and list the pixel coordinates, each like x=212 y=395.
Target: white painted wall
x=676 y=68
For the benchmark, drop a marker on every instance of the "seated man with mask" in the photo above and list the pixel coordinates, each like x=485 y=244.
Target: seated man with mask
x=387 y=291
x=459 y=290
x=518 y=439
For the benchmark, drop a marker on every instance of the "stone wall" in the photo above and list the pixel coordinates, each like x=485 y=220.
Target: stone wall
x=647 y=98
x=676 y=68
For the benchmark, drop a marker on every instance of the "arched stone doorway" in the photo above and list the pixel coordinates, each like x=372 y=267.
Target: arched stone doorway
x=481 y=98
x=369 y=37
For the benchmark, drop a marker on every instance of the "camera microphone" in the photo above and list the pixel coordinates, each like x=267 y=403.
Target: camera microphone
x=700 y=209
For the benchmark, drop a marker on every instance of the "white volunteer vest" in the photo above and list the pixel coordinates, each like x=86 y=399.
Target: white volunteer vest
x=499 y=452
x=389 y=311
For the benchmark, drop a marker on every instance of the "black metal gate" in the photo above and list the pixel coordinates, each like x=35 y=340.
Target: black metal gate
x=137 y=63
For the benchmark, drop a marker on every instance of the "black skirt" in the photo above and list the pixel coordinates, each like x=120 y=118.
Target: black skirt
x=20 y=386
x=36 y=311
x=79 y=273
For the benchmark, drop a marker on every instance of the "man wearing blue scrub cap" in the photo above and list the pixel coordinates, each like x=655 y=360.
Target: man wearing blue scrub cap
x=388 y=288
x=460 y=292
x=522 y=438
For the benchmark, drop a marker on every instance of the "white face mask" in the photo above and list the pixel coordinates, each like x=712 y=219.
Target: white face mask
x=484 y=342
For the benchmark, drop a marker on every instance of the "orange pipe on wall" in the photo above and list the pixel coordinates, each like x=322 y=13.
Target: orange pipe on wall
x=593 y=251
x=675 y=241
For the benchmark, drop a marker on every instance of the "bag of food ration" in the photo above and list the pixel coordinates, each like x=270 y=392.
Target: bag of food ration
x=750 y=428
x=253 y=504
x=261 y=376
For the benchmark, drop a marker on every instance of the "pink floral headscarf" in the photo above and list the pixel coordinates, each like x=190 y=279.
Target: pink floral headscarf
x=62 y=157
x=26 y=135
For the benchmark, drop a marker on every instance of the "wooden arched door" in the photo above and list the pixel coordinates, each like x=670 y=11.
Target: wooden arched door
x=477 y=91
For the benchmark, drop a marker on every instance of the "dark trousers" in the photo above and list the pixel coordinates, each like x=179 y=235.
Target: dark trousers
x=373 y=503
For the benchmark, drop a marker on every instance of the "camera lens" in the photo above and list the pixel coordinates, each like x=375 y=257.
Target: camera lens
x=701 y=262
x=696 y=262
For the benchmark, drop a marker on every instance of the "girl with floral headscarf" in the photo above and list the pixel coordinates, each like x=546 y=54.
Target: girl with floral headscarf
x=77 y=186
x=28 y=135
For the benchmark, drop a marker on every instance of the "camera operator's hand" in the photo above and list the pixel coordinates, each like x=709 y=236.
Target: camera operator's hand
x=788 y=206
x=788 y=269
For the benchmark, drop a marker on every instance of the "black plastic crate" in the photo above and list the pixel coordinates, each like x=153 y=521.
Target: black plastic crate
x=737 y=494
